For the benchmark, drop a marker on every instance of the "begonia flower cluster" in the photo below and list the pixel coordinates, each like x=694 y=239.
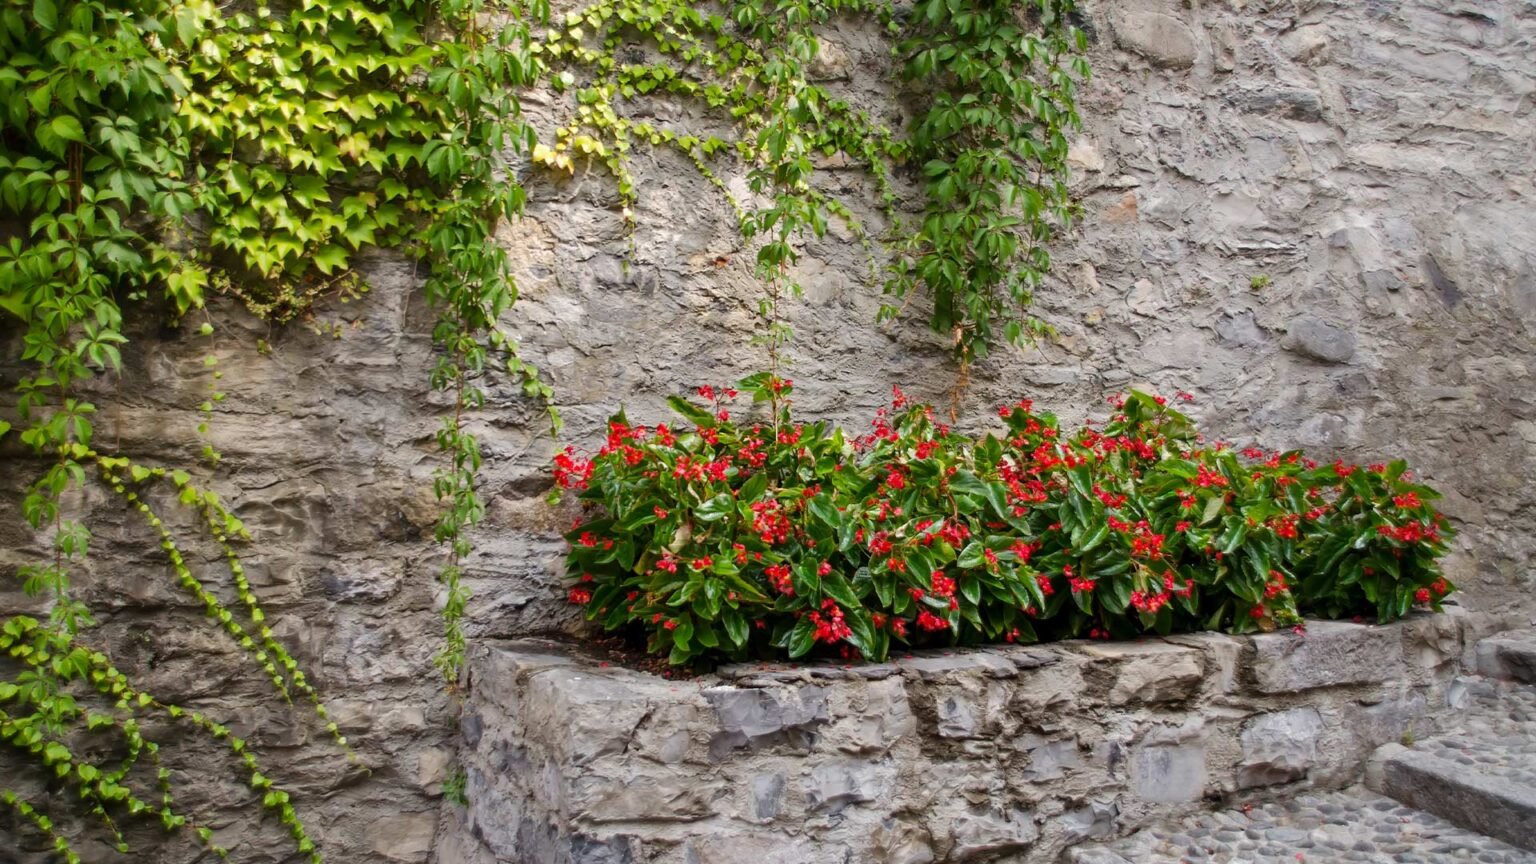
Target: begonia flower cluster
x=739 y=533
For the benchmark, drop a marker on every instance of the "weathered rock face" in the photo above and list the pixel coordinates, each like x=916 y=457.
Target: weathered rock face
x=1375 y=160
x=933 y=758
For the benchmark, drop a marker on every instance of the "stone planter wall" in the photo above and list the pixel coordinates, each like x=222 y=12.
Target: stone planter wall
x=1007 y=753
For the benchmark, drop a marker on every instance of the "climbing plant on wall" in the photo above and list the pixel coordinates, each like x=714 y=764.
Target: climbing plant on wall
x=994 y=82
x=155 y=153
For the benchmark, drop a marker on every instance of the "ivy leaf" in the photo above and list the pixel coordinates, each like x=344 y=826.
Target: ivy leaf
x=330 y=258
x=67 y=127
x=45 y=14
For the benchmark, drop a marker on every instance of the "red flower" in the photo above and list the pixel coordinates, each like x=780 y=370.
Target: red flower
x=580 y=596
x=778 y=577
x=829 y=623
x=571 y=471
x=943 y=586
x=928 y=621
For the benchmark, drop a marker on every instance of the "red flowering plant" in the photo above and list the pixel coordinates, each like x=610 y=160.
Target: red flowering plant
x=735 y=539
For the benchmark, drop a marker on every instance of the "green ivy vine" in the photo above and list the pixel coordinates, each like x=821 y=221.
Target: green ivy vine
x=157 y=153
x=995 y=81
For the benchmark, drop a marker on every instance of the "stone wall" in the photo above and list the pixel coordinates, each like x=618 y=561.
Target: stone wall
x=1010 y=753
x=1373 y=159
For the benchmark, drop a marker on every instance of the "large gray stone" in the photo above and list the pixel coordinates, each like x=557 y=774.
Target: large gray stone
x=837 y=784
x=405 y=837
x=954 y=665
x=1048 y=759
x=1329 y=653
x=1279 y=747
x=1168 y=773
x=986 y=835
x=1162 y=39
x=1431 y=641
x=1223 y=657
x=902 y=841
x=956 y=715
x=1148 y=672
x=586 y=714
x=1292 y=103
x=1320 y=340
x=1485 y=803
x=1093 y=820
x=656 y=796
x=759 y=716
x=767 y=796
x=870 y=718
x=1510 y=656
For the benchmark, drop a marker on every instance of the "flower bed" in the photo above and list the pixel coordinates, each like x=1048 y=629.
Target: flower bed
x=999 y=753
x=727 y=539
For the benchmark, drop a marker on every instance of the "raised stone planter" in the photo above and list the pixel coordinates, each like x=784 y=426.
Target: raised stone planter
x=1009 y=753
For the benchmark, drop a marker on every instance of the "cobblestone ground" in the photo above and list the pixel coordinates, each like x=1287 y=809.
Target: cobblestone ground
x=1493 y=731
x=1351 y=826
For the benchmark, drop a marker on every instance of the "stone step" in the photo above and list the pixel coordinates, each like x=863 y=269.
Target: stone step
x=1510 y=656
x=1481 y=773
x=1354 y=825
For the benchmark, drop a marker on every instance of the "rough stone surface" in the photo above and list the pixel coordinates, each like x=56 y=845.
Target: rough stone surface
x=958 y=756
x=1331 y=828
x=1375 y=160
x=1482 y=802
x=1511 y=656
x=1480 y=771
x=1328 y=654
x=1155 y=672
x=1279 y=747
x=1162 y=39
x=1320 y=340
